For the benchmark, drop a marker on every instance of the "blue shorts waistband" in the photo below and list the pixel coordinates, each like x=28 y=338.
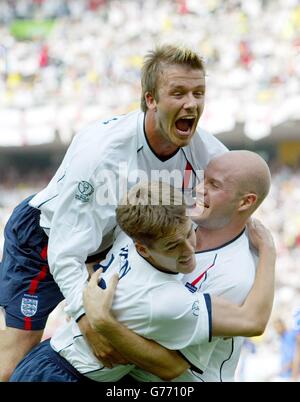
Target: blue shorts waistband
x=65 y=365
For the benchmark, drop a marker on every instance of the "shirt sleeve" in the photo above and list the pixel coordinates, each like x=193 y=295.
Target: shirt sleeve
x=178 y=318
x=77 y=228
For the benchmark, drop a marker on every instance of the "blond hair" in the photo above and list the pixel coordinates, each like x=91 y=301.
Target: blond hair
x=151 y=210
x=156 y=60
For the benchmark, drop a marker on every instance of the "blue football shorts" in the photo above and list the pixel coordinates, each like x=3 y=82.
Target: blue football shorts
x=43 y=364
x=28 y=292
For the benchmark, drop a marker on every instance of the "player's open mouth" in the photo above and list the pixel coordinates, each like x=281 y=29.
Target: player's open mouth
x=184 y=125
x=200 y=205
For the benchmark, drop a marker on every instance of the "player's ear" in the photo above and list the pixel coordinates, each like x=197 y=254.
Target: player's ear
x=247 y=201
x=141 y=248
x=150 y=101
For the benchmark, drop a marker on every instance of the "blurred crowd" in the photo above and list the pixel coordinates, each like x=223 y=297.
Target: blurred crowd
x=263 y=358
x=80 y=60
x=88 y=64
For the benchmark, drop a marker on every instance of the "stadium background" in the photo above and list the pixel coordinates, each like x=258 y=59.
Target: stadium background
x=65 y=63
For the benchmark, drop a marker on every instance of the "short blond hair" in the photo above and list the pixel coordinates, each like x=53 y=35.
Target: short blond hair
x=156 y=60
x=151 y=210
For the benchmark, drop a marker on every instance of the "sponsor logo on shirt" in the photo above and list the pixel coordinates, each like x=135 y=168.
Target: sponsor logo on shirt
x=192 y=286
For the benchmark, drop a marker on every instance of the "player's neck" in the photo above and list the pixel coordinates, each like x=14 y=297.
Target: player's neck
x=213 y=238
x=159 y=145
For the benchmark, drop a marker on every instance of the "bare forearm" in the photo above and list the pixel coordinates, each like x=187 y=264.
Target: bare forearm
x=227 y=319
x=258 y=304
x=250 y=318
x=142 y=352
x=102 y=349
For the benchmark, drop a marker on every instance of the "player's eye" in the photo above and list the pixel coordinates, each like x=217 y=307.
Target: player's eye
x=198 y=94
x=214 y=184
x=172 y=247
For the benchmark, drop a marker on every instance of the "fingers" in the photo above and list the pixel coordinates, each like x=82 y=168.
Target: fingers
x=110 y=358
x=113 y=282
x=259 y=235
x=255 y=227
x=101 y=294
x=111 y=361
x=95 y=278
x=110 y=291
x=90 y=269
x=106 y=362
x=105 y=352
x=254 y=223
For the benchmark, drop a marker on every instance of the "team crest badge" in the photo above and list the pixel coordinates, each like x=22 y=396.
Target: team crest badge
x=84 y=191
x=29 y=305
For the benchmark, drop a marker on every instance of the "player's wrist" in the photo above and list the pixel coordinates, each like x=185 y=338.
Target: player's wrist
x=80 y=317
x=84 y=324
x=269 y=255
x=104 y=324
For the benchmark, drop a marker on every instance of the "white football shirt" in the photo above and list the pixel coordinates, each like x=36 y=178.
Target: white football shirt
x=226 y=271
x=152 y=303
x=78 y=205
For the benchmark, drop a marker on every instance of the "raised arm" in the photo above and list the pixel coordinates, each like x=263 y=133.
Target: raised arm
x=78 y=226
x=251 y=318
x=142 y=352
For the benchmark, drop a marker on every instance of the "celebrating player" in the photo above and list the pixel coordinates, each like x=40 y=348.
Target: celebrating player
x=50 y=236
x=150 y=298
x=235 y=185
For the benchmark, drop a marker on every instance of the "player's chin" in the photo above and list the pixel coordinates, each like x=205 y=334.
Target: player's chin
x=187 y=266
x=195 y=212
x=202 y=216
x=184 y=141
